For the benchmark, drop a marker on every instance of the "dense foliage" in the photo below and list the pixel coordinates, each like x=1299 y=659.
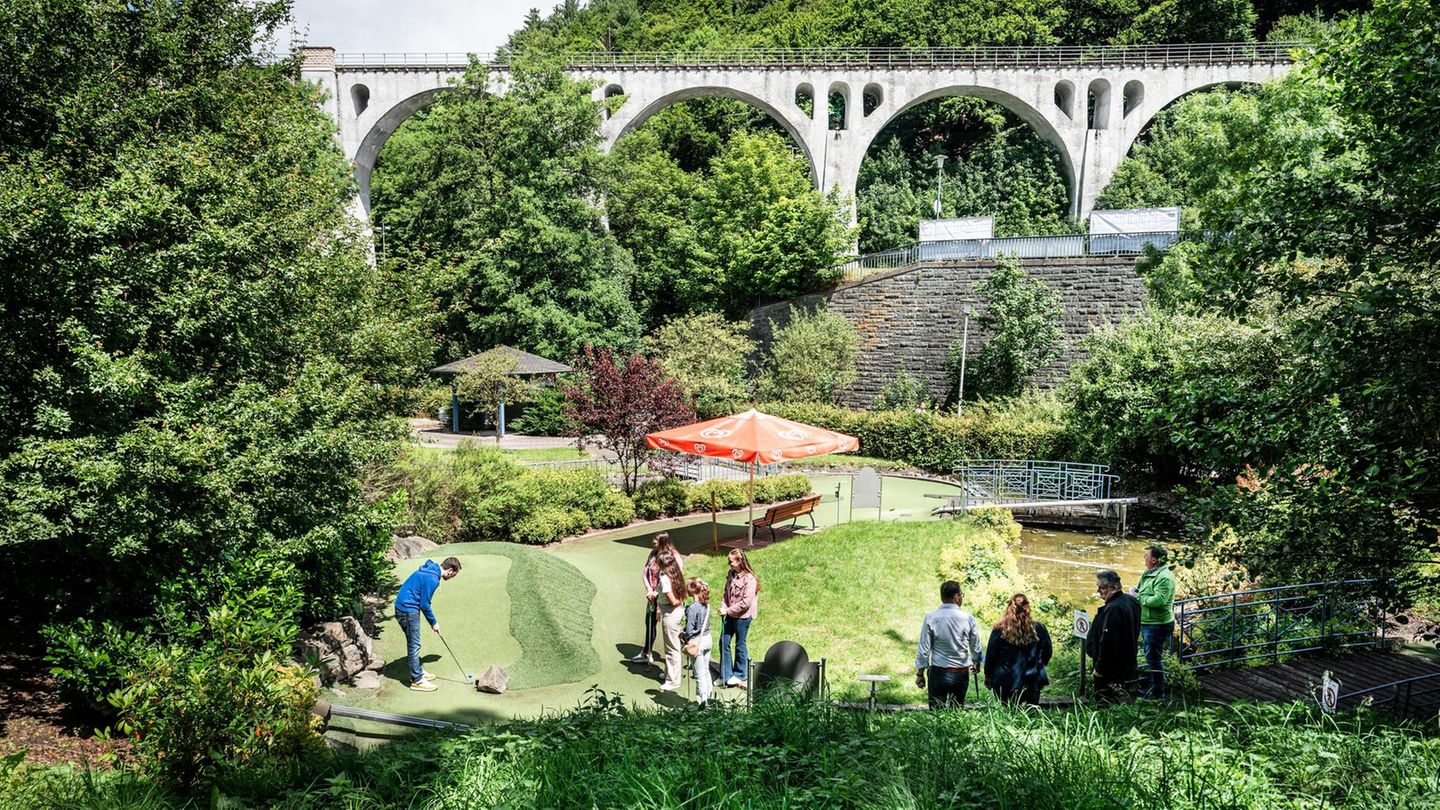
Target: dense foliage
x=498 y=218
x=812 y=358
x=709 y=358
x=198 y=362
x=1323 y=294
x=1021 y=328
x=1026 y=427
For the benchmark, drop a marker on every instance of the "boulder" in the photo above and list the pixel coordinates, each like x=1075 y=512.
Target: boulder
x=493 y=680
x=369 y=679
x=340 y=650
x=408 y=547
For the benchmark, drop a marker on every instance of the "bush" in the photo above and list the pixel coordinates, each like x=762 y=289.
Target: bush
x=544 y=414
x=984 y=563
x=728 y=495
x=812 y=358
x=548 y=524
x=667 y=496
x=613 y=511
x=776 y=488
x=1030 y=426
x=903 y=393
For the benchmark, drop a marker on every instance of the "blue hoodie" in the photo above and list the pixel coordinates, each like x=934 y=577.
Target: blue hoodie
x=418 y=588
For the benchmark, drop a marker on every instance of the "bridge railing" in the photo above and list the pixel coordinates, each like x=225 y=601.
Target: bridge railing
x=1025 y=481
x=1021 y=247
x=980 y=56
x=1268 y=623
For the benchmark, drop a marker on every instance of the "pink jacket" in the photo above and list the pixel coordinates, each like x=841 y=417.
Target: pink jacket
x=741 y=596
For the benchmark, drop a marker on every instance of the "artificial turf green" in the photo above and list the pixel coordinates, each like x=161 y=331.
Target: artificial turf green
x=549 y=615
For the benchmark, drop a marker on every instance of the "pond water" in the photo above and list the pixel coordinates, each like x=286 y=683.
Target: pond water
x=1064 y=561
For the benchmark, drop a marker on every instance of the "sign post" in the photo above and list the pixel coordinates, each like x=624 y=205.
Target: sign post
x=1329 y=693
x=1081 y=629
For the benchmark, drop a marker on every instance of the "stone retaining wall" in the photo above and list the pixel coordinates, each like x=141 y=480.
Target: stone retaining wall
x=908 y=318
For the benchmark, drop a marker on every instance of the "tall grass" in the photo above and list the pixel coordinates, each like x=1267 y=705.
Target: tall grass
x=792 y=755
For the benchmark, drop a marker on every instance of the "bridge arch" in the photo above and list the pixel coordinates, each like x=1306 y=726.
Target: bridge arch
x=1037 y=121
x=776 y=112
x=380 y=132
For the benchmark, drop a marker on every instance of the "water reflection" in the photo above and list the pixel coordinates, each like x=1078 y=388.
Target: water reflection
x=1064 y=561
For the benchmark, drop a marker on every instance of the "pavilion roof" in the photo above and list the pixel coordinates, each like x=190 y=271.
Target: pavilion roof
x=526 y=364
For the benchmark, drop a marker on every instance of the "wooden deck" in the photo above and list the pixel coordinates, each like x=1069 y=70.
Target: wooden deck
x=1300 y=680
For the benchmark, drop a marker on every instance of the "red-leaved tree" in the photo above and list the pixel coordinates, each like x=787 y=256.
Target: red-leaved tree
x=619 y=404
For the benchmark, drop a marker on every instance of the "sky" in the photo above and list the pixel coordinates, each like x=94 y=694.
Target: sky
x=411 y=26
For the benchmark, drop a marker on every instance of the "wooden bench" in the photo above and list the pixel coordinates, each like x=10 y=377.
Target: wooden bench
x=791 y=511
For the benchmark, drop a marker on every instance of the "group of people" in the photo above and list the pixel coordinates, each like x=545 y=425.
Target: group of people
x=686 y=628
x=1016 y=658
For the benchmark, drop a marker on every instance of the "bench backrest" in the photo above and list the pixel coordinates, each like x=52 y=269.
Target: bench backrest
x=800 y=507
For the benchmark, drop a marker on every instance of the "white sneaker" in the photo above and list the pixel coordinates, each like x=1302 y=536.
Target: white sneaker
x=734 y=681
x=669 y=687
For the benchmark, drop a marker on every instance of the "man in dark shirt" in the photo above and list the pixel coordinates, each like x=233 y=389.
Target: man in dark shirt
x=1112 y=640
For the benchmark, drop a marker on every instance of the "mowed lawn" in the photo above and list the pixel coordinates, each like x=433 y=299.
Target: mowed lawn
x=854 y=594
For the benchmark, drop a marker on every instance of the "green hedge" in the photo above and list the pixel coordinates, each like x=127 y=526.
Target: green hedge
x=673 y=497
x=1028 y=427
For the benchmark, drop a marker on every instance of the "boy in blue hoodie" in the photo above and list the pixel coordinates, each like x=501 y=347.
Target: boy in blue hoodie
x=414 y=599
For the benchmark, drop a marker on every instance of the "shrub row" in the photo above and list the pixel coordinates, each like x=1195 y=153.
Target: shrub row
x=1031 y=426
x=672 y=496
x=474 y=494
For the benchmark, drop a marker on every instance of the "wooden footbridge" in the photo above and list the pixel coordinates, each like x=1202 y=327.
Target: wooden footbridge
x=1280 y=644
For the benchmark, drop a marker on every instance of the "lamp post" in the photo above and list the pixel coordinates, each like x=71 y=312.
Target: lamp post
x=964 y=350
x=939 y=185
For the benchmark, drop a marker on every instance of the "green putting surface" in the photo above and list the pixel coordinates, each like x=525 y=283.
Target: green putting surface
x=562 y=619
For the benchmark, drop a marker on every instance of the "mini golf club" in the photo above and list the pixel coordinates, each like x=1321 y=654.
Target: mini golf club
x=469 y=677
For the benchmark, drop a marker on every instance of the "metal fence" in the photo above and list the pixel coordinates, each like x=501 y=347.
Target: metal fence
x=1020 y=56
x=1021 y=247
x=1233 y=628
x=1025 y=481
x=699 y=468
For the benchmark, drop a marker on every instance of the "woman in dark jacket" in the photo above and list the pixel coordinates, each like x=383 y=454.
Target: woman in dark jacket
x=1018 y=652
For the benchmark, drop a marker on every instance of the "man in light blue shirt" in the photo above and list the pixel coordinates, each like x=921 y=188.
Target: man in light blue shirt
x=949 y=649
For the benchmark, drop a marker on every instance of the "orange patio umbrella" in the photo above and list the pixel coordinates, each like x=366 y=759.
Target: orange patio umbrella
x=754 y=438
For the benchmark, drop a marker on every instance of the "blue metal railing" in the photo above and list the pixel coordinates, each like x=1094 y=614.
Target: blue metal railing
x=1234 y=628
x=1001 y=481
x=1021 y=247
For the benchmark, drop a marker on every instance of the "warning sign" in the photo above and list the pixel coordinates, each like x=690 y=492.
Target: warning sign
x=1329 y=693
x=1082 y=623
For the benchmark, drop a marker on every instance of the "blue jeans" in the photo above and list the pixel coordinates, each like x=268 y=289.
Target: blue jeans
x=1155 y=638
x=410 y=622
x=736 y=629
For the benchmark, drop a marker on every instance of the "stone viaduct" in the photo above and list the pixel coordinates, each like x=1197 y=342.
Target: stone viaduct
x=1090 y=103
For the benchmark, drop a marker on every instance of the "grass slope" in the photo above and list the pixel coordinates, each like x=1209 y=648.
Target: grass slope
x=549 y=598
x=854 y=594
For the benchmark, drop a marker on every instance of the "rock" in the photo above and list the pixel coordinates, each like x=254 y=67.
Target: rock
x=408 y=547
x=368 y=679
x=493 y=680
x=339 y=650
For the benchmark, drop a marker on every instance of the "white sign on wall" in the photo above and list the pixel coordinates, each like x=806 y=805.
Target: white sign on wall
x=952 y=230
x=1135 y=220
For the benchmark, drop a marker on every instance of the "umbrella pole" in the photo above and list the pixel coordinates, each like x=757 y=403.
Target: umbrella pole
x=752 y=503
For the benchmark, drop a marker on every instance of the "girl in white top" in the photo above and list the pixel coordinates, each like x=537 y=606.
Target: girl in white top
x=671 y=601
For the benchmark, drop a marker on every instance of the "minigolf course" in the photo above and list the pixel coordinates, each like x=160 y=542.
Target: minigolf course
x=560 y=620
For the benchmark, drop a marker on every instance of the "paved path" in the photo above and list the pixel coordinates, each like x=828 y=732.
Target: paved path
x=432 y=434
x=1300 y=680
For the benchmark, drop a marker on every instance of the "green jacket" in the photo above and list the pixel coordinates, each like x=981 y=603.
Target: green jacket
x=1156 y=595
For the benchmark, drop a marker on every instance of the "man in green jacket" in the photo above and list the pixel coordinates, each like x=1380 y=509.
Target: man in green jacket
x=1156 y=594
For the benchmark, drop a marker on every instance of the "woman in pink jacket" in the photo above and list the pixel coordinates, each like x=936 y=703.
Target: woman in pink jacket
x=737 y=607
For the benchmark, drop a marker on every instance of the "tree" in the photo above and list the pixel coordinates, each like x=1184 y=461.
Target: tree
x=1022 y=321
x=708 y=357
x=619 y=403
x=489 y=381
x=199 y=357
x=813 y=358
x=492 y=199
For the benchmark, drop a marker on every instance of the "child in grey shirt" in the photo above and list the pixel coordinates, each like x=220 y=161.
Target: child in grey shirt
x=697 y=628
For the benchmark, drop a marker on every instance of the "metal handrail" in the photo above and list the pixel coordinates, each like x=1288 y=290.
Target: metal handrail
x=1407 y=685
x=1265 y=619
x=996 y=56
x=999 y=481
x=1051 y=246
